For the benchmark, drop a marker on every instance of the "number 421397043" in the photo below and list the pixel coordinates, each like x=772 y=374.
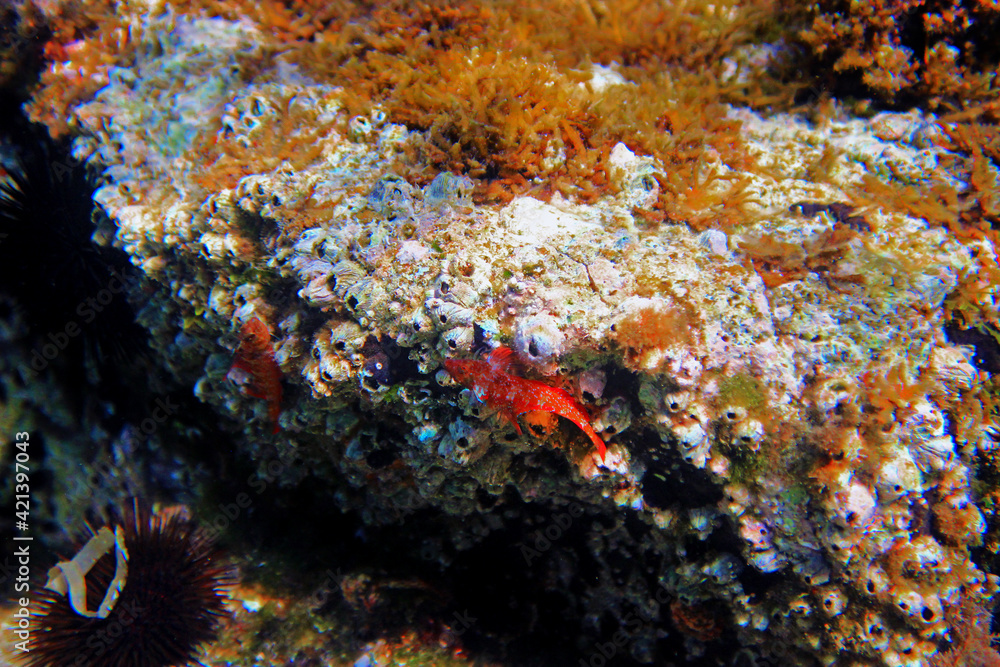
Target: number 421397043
x=21 y=470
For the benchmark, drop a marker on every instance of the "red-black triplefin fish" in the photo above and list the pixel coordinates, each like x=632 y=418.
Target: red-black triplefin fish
x=255 y=356
x=512 y=395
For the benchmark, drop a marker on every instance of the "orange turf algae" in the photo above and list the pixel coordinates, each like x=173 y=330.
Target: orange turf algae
x=935 y=53
x=500 y=89
x=890 y=395
x=87 y=40
x=778 y=262
x=971 y=215
x=653 y=327
x=230 y=152
x=971 y=640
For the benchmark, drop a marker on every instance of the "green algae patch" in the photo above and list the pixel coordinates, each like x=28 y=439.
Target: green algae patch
x=745 y=465
x=743 y=390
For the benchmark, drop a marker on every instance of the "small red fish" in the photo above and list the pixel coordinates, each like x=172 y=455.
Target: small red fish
x=255 y=356
x=512 y=395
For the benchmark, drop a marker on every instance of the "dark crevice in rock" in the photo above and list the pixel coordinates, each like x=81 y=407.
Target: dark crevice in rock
x=670 y=482
x=987 y=357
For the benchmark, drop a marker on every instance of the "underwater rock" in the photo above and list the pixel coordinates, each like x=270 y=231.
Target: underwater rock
x=773 y=380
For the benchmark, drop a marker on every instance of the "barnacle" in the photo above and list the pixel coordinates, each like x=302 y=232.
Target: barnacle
x=538 y=340
x=392 y=197
x=448 y=189
x=447 y=315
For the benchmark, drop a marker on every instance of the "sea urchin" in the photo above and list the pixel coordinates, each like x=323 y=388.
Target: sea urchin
x=170 y=583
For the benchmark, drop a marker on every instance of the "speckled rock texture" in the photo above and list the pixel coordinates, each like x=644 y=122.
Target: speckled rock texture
x=785 y=416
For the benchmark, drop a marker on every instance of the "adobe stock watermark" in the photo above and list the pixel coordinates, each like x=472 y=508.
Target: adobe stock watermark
x=459 y=624
x=104 y=638
x=322 y=594
x=258 y=481
x=102 y=474
x=416 y=502
x=632 y=623
x=59 y=169
x=22 y=541
x=162 y=410
x=7 y=570
x=87 y=310
x=542 y=539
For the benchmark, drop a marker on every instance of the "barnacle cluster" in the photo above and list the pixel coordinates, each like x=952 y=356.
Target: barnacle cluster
x=753 y=308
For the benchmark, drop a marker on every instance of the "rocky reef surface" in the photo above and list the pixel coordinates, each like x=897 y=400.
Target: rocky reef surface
x=790 y=430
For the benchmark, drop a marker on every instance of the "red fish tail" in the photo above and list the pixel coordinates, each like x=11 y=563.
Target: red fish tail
x=602 y=449
x=275 y=412
x=584 y=424
x=567 y=407
x=511 y=416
